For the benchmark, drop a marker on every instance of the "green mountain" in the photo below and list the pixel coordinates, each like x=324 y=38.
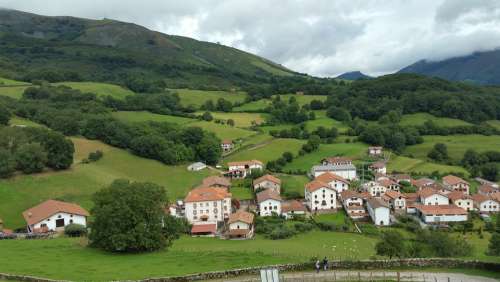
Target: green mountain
x=68 y=48
x=479 y=68
x=353 y=75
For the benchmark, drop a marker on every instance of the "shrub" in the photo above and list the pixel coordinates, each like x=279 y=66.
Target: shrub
x=95 y=156
x=302 y=227
x=326 y=226
x=75 y=230
x=281 y=232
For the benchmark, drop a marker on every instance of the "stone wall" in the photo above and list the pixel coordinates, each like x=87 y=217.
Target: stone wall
x=357 y=265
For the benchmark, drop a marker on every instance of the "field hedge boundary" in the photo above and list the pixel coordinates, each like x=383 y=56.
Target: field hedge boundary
x=341 y=265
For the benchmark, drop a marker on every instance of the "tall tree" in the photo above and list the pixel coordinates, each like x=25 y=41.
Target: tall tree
x=391 y=244
x=4 y=115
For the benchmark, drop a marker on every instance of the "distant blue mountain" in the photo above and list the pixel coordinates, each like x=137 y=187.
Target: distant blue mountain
x=354 y=75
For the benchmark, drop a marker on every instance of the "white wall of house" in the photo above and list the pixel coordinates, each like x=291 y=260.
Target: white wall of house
x=266 y=184
x=290 y=214
x=58 y=219
x=376 y=190
x=459 y=187
x=269 y=206
x=380 y=215
x=488 y=206
x=399 y=203
x=239 y=225
x=435 y=199
x=443 y=218
x=339 y=186
x=213 y=211
x=321 y=199
x=353 y=201
x=347 y=174
x=466 y=204
x=249 y=168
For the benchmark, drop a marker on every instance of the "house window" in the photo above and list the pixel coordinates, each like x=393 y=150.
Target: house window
x=194 y=205
x=60 y=222
x=195 y=217
x=194 y=212
x=70 y=221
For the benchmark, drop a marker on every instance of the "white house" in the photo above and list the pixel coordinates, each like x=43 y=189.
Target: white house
x=378 y=167
x=336 y=161
x=347 y=171
x=353 y=204
x=227 y=145
x=396 y=200
x=243 y=168
x=374 y=188
x=423 y=183
x=487 y=182
x=196 y=166
x=269 y=202
x=207 y=205
x=241 y=225
x=429 y=196
x=487 y=190
x=292 y=208
x=267 y=182
x=54 y=215
x=461 y=200
x=389 y=184
x=320 y=196
x=485 y=204
x=379 y=211
x=334 y=181
x=375 y=151
x=441 y=214
x=454 y=183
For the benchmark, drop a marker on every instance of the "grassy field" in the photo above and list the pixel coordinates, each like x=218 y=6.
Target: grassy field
x=326 y=122
x=304 y=163
x=187 y=255
x=421 y=118
x=147 y=116
x=23 y=122
x=303 y=99
x=494 y=123
x=10 y=82
x=15 y=92
x=82 y=180
x=405 y=164
x=293 y=183
x=255 y=106
x=240 y=119
x=100 y=89
x=457 y=145
x=199 y=97
x=267 y=151
x=224 y=131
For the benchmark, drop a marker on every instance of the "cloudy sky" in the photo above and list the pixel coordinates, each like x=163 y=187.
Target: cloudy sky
x=319 y=37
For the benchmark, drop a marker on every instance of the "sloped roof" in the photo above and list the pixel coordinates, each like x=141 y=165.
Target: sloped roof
x=379 y=164
x=346 y=194
x=456 y=195
x=328 y=177
x=387 y=182
x=427 y=192
x=243 y=163
x=479 y=198
x=242 y=216
x=441 y=209
x=393 y=194
x=423 y=182
x=204 y=193
x=204 y=228
x=377 y=203
x=453 y=180
x=315 y=185
x=267 y=177
x=344 y=160
x=292 y=205
x=487 y=189
x=267 y=195
x=216 y=180
x=49 y=208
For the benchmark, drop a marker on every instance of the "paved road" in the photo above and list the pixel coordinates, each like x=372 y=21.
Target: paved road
x=365 y=276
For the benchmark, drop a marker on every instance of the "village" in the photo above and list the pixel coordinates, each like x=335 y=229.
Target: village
x=334 y=187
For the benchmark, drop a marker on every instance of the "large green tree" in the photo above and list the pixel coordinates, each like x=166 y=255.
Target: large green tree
x=4 y=115
x=7 y=164
x=128 y=217
x=31 y=158
x=392 y=244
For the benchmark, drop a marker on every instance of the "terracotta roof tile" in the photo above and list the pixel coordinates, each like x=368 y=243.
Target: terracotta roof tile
x=267 y=177
x=315 y=185
x=268 y=194
x=453 y=180
x=204 y=228
x=456 y=195
x=393 y=194
x=242 y=216
x=243 y=163
x=441 y=209
x=328 y=177
x=49 y=208
x=292 y=205
x=346 y=194
x=216 y=181
x=203 y=193
x=377 y=203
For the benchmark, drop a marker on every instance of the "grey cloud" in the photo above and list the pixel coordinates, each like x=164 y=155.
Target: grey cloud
x=320 y=37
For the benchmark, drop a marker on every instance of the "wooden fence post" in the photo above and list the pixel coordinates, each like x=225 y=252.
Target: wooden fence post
x=399 y=277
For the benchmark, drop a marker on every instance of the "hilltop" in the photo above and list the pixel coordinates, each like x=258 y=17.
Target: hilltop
x=479 y=67
x=353 y=75
x=41 y=47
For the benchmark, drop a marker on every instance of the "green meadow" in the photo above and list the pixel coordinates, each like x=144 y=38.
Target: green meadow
x=254 y=106
x=494 y=123
x=10 y=82
x=15 y=92
x=406 y=164
x=240 y=119
x=100 y=89
x=421 y=118
x=82 y=180
x=267 y=151
x=23 y=122
x=125 y=116
x=199 y=97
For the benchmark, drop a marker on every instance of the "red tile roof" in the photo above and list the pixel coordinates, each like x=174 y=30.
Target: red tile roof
x=393 y=194
x=427 y=192
x=315 y=185
x=216 y=181
x=267 y=195
x=453 y=180
x=457 y=195
x=203 y=193
x=292 y=205
x=243 y=163
x=387 y=182
x=487 y=189
x=49 y=208
x=441 y=209
x=242 y=216
x=378 y=165
x=267 y=177
x=204 y=228
x=335 y=160
x=479 y=198
x=328 y=177
x=227 y=141
x=346 y=194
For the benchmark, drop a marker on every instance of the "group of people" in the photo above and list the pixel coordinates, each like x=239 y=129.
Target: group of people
x=318 y=265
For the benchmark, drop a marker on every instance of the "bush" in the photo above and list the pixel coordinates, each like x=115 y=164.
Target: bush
x=302 y=227
x=75 y=230
x=326 y=226
x=281 y=232
x=95 y=156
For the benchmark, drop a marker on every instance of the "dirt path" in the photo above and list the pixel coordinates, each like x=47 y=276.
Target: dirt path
x=367 y=276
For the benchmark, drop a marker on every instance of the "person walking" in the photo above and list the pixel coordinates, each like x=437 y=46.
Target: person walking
x=325 y=264
x=317 y=265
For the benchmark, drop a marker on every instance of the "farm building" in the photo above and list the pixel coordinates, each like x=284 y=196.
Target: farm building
x=374 y=188
x=336 y=161
x=353 y=204
x=243 y=168
x=320 y=196
x=241 y=225
x=378 y=167
x=347 y=171
x=269 y=202
x=441 y=214
x=207 y=205
x=54 y=215
x=267 y=182
x=291 y=208
x=227 y=145
x=334 y=181
x=378 y=211
x=485 y=204
x=197 y=166
x=487 y=190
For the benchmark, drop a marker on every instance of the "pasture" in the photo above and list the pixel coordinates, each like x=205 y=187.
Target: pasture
x=254 y=106
x=406 y=164
x=224 y=131
x=305 y=162
x=10 y=82
x=199 y=97
x=494 y=123
x=240 y=119
x=100 y=89
x=82 y=180
x=15 y=92
x=457 y=145
x=143 y=116
x=293 y=183
x=303 y=99
x=187 y=255
x=267 y=151
x=421 y=118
